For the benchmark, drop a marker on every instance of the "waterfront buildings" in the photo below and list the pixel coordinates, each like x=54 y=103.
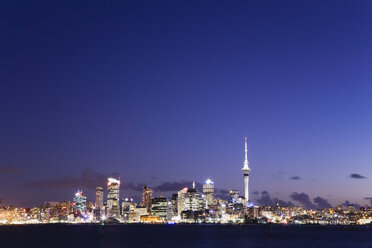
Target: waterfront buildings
x=174 y=203
x=98 y=211
x=187 y=205
x=113 y=207
x=79 y=203
x=146 y=197
x=159 y=207
x=208 y=192
x=181 y=200
x=193 y=201
x=99 y=198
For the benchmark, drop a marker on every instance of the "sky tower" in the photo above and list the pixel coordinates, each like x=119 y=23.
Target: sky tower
x=246 y=171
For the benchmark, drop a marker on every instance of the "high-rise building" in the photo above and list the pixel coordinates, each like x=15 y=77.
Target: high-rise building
x=170 y=212
x=159 y=207
x=193 y=201
x=79 y=203
x=208 y=192
x=351 y=209
x=146 y=197
x=174 y=204
x=234 y=195
x=246 y=171
x=98 y=210
x=181 y=200
x=113 y=206
x=127 y=205
x=99 y=197
x=339 y=209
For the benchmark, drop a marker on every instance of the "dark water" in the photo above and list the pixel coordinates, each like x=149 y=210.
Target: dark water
x=96 y=236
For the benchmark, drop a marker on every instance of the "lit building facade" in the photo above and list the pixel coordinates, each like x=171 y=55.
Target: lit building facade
x=208 y=192
x=193 y=201
x=79 y=203
x=99 y=197
x=174 y=204
x=159 y=207
x=181 y=200
x=113 y=206
x=98 y=210
x=146 y=197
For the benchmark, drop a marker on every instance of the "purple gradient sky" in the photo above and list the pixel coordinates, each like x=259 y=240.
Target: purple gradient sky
x=166 y=91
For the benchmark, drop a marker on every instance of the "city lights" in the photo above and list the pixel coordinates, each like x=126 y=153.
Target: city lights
x=188 y=205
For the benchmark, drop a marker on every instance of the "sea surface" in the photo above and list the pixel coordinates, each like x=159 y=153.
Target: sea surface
x=137 y=235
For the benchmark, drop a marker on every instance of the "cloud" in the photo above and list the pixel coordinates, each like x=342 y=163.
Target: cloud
x=255 y=192
x=283 y=203
x=223 y=191
x=302 y=198
x=223 y=194
x=321 y=203
x=295 y=178
x=368 y=198
x=10 y=170
x=88 y=178
x=266 y=200
x=132 y=186
x=347 y=203
x=176 y=186
x=305 y=201
x=357 y=176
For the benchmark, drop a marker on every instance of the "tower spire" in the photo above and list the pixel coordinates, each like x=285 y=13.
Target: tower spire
x=246 y=165
x=246 y=170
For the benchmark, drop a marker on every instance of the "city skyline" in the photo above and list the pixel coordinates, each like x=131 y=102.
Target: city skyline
x=262 y=198
x=162 y=94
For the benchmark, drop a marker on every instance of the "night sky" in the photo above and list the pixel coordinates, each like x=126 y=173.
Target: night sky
x=164 y=92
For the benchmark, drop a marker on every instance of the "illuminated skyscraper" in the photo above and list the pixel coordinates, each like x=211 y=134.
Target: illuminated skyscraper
x=246 y=171
x=113 y=206
x=174 y=204
x=79 y=203
x=159 y=207
x=208 y=192
x=146 y=197
x=99 y=203
x=181 y=200
x=193 y=201
x=99 y=197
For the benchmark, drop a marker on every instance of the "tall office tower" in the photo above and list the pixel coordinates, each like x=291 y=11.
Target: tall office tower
x=181 y=200
x=246 y=171
x=99 y=197
x=208 y=192
x=146 y=197
x=79 y=203
x=174 y=204
x=170 y=212
x=193 y=200
x=113 y=206
x=159 y=207
x=339 y=209
x=98 y=210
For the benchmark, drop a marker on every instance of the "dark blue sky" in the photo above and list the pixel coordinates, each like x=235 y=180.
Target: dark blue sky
x=165 y=91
